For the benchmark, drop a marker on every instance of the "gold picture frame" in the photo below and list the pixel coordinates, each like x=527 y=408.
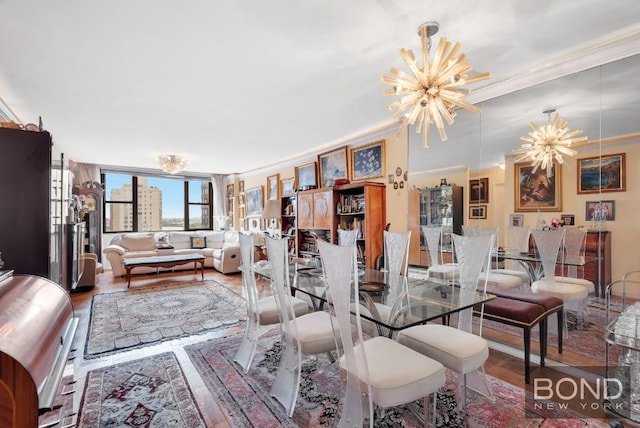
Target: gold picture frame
x=254 y=201
x=606 y=173
x=273 y=187
x=306 y=176
x=534 y=191
x=367 y=161
x=332 y=166
x=287 y=186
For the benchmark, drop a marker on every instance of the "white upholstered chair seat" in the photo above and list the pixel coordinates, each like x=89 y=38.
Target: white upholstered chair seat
x=580 y=281
x=455 y=349
x=567 y=291
x=396 y=384
x=500 y=280
x=269 y=313
x=315 y=333
x=524 y=276
x=446 y=272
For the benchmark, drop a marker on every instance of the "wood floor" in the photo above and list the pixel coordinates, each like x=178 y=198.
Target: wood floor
x=502 y=365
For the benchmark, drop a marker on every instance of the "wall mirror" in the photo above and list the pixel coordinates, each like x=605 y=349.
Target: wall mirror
x=603 y=101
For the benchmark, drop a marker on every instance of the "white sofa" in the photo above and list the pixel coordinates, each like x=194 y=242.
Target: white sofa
x=221 y=251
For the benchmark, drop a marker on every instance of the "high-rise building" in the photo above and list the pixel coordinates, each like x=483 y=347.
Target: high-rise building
x=149 y=207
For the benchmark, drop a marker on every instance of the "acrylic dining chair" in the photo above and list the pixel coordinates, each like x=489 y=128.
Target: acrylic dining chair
x=379 y=371
x=574 y=249
x=445 y=272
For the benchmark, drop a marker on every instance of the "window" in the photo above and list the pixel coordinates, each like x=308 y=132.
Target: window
x=158 y=203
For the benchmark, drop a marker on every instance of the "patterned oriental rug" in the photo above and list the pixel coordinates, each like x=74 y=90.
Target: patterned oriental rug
x=131 y=319
x=246 y=401
x=149 y=392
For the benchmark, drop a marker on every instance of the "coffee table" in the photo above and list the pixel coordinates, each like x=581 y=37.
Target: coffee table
x=163 y=261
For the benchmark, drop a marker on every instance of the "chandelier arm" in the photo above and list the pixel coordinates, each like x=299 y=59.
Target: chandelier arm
x=443 y=45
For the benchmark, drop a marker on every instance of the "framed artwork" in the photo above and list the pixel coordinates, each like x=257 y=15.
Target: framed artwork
x=600 y=211
x=367 y=161
x=273 y=187
x=568 y=219
x=306 y=176
x=479 y=191
x=534 y=191
x=516 y=220
x=602 y=174
x=254 y=201
x=229 y=190
x=287 y=186
x=241 y=199
x=478 y=212
x=333 y=165
x=198 y=242
x=241 y=186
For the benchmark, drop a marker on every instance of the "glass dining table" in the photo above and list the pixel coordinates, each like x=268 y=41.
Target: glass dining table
x=384 y=299
x=532 y=263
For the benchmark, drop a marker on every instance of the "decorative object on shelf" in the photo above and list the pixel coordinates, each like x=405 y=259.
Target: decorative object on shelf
x=443 y=182
x=433 y=93
x=568 y=219
x=479 y=191
x=272 y=187
x=287 y=186
x=367 y=161
x=547 y=143
x=171 y=164
x=333 y=166
x=606 y=173
x=306 y=176
x=478 y=212
x=537 y=191
x=254 y=202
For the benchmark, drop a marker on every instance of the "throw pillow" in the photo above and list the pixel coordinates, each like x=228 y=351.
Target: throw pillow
x=198 y=242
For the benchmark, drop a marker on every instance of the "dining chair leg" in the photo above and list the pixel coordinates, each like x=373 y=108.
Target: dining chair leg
x=430 y=410
x=286 y=385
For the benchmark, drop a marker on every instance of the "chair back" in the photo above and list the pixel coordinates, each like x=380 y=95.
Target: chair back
x=249 y=289
x=339 y=265
x=574 y=241
x=473 y=254
x=519 y=237
x=432 y=236
x=396 y=252
x=347 y=237
x=548 y=243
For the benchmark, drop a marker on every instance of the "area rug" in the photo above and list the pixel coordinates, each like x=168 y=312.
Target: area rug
x=246 y=401
x=134 y=318
x=148 y=392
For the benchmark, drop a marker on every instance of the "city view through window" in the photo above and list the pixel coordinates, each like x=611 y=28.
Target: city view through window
x=161 y=204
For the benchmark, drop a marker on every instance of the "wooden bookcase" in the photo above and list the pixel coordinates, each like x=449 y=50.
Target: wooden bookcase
x=288 y=226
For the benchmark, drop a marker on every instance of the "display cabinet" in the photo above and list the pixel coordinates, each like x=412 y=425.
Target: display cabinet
x=315 y=218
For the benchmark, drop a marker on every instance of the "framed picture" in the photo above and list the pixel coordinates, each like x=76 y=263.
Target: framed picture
x=516 y=220
x=367 y=161
x=306 y=176
x=535 y=191
x=478 y=211
x=254 y=201
x=241 y=186
x=241 y=199
x=332 y=165
x=229 y=190
x=479 y=191
x=568 y=219
x=273 y=187
x=605 y=173
x=287 y=186
x=600 y=211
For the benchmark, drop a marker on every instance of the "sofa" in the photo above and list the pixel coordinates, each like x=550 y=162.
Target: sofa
x=220 y=248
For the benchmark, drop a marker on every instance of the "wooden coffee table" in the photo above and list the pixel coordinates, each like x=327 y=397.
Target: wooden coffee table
x=163 y=261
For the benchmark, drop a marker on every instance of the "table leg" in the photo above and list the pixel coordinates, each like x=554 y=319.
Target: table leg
x=202 y=269
x=128 y=269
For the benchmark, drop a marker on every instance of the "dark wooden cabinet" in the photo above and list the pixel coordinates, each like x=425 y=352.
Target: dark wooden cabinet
x=25 y=181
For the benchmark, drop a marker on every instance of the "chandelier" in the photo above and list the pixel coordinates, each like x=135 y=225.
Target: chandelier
x=433 y=92
x=548 y=142
x=172 y=164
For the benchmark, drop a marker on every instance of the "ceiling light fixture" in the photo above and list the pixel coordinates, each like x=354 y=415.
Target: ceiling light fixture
x=548 y=142
x=172 y=164
x=433 y=92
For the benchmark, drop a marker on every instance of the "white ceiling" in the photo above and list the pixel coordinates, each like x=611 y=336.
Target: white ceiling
x=240 y=85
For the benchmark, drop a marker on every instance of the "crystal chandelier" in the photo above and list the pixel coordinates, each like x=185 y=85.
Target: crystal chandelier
x=433 y=92
x=172 y=164
x=548 y=142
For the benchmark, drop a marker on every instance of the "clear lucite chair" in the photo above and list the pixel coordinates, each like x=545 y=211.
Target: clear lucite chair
x=446 y=272
x=262 y=314
x=574 y=296
x=574 y=242
x=347 y=237
x=309 y=334
x=459 y=349
x=378 y=371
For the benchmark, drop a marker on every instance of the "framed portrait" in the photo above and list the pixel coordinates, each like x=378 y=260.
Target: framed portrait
x=367 y=161
x=478 y=212
x=241 y=186
x=568 y=219
x=287 y=186
x=254 y=202
x=600 y=211
x=273 y=187
x=332 y=165
x=516 y=220
x=535 y=191
x=602 y=174
x=479 y=191
x=229 y=190
x=306 y=176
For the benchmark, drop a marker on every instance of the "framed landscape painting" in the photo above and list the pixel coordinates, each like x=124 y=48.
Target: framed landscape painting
x=287 y=186
x=333 y=166
x=253 y=201
x=606 y=173
x=367 y=161
x=273 y=187
x=306 y=176
x=535 y=191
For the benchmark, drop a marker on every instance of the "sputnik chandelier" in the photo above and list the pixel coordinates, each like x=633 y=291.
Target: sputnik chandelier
x=433 y=92
x=172 y=164
x=548 y=142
